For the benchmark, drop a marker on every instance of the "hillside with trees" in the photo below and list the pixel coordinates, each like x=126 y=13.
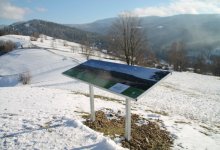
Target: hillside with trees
x=200 y=33
x=34 y=27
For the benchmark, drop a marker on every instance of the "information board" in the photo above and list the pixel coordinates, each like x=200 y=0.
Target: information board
x=128 y=81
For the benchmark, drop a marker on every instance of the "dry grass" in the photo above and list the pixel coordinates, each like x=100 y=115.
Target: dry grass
x=84 y=115
x=7 y=46
x=100 y=97
x=159 y=112
x=145 y=136
x=205 y=127
x=183 y=122
x=218 y=126
x=25 y=78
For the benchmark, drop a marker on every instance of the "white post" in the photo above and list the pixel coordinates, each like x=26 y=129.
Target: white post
x=91 y=92
x=128 y=120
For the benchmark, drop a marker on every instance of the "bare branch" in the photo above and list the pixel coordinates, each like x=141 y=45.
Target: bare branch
x=127 y=37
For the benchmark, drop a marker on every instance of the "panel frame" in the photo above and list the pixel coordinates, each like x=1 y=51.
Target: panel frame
x=119 y=94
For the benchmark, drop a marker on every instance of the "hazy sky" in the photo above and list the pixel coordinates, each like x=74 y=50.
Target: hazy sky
x=84 y=11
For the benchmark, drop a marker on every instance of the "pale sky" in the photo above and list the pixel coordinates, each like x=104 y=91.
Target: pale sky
x=85 y=11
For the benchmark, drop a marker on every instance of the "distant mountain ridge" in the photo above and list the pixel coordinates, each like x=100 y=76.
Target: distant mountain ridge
x=2 y=26
x=198 y=32
x=52 y=29
x=99 y=26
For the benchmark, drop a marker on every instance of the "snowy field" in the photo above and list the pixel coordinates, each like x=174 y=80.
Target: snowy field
x=46 y=114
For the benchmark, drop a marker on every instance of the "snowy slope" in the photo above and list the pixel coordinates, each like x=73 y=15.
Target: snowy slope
x=187 y=103
x=41 y=118
x=23 y=40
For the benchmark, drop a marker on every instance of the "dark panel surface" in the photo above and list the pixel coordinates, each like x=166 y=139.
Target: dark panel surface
x=130 y=81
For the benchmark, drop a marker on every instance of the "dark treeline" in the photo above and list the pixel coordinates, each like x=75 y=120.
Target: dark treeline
x=54 y=30
x=177 y=54
x=178 y=58
x=204 y=62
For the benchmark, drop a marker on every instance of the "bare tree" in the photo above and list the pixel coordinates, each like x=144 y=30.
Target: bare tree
x=88 y=52
x=200 y=63
x=65 y=43
x=34 y=36
x=127 y=37
x=177 y=56
x=41 y=36
x=85 y=47
x=41 y=39
x=146 y=58
x=216 y=65
x=52 y=43
x=82 y=48
x=73 y=48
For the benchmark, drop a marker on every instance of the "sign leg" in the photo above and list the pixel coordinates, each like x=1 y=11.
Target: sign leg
x=128 y=120
x=91 y=92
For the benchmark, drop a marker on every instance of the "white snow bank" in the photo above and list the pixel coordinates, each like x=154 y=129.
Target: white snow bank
x=7 y=81
x=23 y=40
x=32 y=60
x=39 y=118
x=194 y=96
x=43 y=118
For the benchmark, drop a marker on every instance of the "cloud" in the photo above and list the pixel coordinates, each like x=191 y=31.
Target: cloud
x=181 y=7
x=10 y=11
x=41 y=9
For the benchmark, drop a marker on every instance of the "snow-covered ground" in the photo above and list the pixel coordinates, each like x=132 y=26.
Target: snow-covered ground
x=46 y=114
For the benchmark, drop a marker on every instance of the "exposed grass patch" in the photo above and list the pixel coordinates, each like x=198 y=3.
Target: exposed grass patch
x=159 y=112
x=182 y=122
x=218 y=126
x=204 y=133
x=100 y=97
x=47 y=126
x=147 y=135
x=211 y=129
x=84 y=115
x=170 y=87
x=10 y=114
x=207 y=128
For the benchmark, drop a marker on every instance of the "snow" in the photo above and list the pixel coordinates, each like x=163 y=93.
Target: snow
x=41 y=118
x=15 y=62
x=46 y=114
x=192 y=95
x=23 y=40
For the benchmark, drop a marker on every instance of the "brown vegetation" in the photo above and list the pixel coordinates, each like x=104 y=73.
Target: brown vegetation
x=25 y=78
x=145 y=136
x=6 y=46
x=34 y=36
x=216 y=65
x=177 y=56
